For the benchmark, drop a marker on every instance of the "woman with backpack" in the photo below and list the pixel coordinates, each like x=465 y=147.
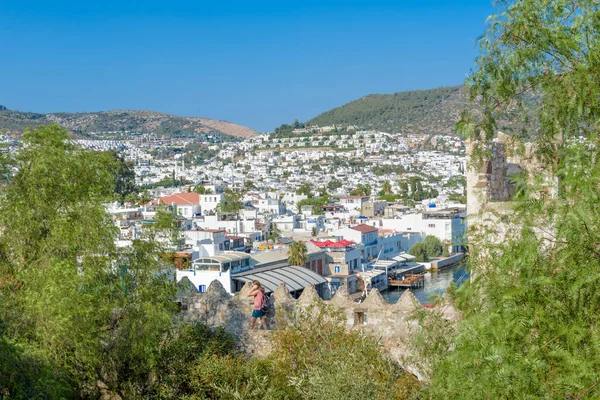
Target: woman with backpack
x=261 y=305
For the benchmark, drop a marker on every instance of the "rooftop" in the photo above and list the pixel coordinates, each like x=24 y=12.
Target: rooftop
x=363 y=228
x=180 y=199
x=227 y=257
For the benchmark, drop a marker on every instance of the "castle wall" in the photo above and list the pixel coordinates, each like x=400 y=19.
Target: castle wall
x=391 y=323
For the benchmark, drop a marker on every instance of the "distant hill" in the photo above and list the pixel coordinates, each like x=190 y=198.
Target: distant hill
x=118 y=123
x=433 y=111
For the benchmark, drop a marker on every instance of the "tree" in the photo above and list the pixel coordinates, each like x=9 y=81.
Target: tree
x=68 y=297
x=530 y=313
x=273 y=233
x=297 y=253
x=433 y=246
x=419 y=250
x=124 y=176
x=362 y=190
x=305 y=189
x=387 y=187
x=201 y=189
x=231 y=202
x=334 y=184
x=249 y=185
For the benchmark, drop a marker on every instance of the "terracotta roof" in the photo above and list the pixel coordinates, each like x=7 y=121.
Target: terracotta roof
x=329 y=243
x=181 y=199
x=364 y=228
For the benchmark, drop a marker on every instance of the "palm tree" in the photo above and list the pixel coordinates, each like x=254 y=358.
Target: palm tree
x=298 y=253
x=387 y=187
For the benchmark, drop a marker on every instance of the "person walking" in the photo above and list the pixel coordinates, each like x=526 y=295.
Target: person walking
x=258 y=292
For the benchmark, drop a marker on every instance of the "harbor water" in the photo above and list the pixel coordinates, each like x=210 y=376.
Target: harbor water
x=436 y=283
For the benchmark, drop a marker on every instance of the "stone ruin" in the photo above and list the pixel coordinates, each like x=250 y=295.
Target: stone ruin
x=490 y=191
x=390 y=323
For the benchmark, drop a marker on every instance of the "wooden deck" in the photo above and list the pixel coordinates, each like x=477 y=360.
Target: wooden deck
x=411 y=281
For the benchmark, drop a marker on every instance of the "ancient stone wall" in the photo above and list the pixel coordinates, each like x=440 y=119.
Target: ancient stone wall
x=388 y=322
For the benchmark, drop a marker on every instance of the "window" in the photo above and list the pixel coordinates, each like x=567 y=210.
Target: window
x=202 y=288
x=431 y=225
x=337 y=269
x=360 y=317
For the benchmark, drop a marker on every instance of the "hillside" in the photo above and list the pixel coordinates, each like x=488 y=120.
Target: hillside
x=119 y=123
x=433 y=111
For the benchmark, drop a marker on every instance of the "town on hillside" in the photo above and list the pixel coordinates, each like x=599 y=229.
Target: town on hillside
x=359 y=201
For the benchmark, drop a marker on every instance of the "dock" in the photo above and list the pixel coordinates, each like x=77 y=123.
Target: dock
x=410 y=281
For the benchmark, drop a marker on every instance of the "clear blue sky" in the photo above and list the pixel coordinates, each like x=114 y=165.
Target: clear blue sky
x=256 y=63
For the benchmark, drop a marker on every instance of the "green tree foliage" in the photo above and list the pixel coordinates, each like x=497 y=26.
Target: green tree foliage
x=433 y=246
x=430 y=111
x=273 y=233
x=387 y=187
x=531 y=312
x=362 y=190
x=428 y=248
x=184 y=352
x=314 y=357
x=249 y=185
x=316 y=204
x=334 y=184
x=543 y=49
x=322 y=360
x=297 y=253
x=419 y=250
x=232 y=202
x=458 y=197
x=390 y=198
x=305 y=189
x=124 y=177
x=70 y=302
x=380 y=170
x=201 y=189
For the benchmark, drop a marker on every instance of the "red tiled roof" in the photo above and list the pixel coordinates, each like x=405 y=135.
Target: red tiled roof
x=363 y=228
x=181 y=199
x=329 y=243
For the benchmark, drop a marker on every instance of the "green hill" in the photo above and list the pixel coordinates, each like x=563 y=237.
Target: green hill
x=120 y=124
x=433 y=111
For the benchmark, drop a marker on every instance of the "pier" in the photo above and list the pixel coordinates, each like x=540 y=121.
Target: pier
x=410 y=281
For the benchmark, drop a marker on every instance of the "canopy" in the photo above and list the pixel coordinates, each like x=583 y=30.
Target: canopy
x=295 y=278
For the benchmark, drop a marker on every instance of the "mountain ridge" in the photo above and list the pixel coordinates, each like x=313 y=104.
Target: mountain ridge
x=427 y=111
x=114 y=122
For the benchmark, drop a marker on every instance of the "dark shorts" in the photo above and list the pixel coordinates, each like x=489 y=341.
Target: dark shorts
x=258 y=314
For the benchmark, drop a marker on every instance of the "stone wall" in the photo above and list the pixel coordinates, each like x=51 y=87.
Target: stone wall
x=388 y=322
x=490 y=181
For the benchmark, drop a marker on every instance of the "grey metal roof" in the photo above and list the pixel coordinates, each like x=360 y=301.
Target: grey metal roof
x=295 y=278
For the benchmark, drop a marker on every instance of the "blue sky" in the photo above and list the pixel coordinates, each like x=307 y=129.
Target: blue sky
x=256 y=63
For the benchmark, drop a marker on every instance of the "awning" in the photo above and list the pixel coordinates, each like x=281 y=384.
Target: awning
x=294 y=278
x=404 y=257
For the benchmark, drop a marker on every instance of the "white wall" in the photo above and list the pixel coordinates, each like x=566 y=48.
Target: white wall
x=206 y=277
